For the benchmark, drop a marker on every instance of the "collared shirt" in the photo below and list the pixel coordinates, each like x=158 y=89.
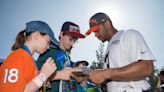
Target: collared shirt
x=124 y=48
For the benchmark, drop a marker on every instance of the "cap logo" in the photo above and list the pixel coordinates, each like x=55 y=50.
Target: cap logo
x=93 y=21
x=73 y=28
x=103 y=20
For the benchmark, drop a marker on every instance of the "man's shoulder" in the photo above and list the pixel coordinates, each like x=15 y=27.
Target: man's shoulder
x=131 y=32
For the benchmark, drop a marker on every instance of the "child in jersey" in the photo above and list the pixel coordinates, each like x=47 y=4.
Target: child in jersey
x=19 y=73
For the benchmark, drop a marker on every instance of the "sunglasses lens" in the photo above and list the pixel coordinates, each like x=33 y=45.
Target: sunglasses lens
x=71 y=38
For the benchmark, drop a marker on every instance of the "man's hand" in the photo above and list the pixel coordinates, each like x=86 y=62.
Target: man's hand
x=97 y=76
x=132 y=72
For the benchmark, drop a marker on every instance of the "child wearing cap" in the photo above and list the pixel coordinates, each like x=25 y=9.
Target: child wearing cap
x=83 y=83
x=19 y=72
x=70 y=33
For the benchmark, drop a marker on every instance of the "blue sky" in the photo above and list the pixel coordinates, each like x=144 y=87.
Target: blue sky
x=146 y=16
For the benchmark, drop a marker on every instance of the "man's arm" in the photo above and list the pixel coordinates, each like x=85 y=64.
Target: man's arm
x=135 y=71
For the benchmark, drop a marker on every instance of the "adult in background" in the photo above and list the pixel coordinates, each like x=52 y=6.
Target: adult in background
x=83 y=84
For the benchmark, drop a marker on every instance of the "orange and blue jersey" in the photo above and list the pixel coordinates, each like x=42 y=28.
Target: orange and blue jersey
x=17 y=70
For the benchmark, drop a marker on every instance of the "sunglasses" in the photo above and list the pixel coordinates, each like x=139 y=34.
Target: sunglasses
x=72 y=38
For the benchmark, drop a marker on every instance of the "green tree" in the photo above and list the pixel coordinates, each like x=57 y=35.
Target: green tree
x=154 y=80
x=94 y=65
x=98 y=64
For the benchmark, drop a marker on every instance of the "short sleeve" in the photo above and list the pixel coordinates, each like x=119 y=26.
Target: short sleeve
x=136 y=47
x=14 y=75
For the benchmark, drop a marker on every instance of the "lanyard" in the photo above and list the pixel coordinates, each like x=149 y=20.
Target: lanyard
x=26 y=49
x=107 y=60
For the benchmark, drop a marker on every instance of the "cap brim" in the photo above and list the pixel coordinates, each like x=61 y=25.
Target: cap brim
x=92 y=29
x=77 y=63
x=78 y=74
x=54 y=41
x=78 y=35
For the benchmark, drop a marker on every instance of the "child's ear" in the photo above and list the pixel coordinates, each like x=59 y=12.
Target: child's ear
x=61 y=34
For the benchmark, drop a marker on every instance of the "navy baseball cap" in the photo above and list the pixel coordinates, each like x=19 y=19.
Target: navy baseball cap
x=43 y=27
x=81 y=62
x=95 y=21
x=72 y=29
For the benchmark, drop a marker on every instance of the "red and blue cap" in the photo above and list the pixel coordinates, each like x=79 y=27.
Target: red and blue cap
x=72 y=29
x=95 y=21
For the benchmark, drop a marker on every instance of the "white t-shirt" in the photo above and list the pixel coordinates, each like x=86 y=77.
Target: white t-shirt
x=124 y=48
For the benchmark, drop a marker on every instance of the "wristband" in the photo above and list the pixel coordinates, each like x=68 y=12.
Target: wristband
x=40 y=79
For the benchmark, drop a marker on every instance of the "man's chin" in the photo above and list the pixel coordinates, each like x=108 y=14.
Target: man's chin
x=102 y=40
